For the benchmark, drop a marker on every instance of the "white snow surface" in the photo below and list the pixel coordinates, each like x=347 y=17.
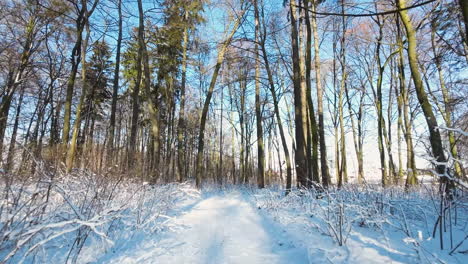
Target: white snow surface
x=223 y=228
x=240 y=225
x=178 y=224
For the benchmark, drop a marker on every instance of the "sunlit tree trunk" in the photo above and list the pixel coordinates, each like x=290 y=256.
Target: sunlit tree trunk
x=14 y=133
x=15 y=77
x=300 y=103
x=399 y=99
x=434 y=135
x=355 y=133
x=464 y=11
x=151 y=102
x=258 y=111
x=379 y=107
x=206 y=105
x=276 y=109
x=77 y=125
x=81 y=21
x=411 y=172
x=115 y=86
x=447 y=109
x=181 y=123
x=313 y=138
x=318 y=83
x=344 y=75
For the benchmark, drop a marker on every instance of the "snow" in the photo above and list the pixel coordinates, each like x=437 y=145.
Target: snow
x=176 y=223
x=219 y=229
x=395 y=228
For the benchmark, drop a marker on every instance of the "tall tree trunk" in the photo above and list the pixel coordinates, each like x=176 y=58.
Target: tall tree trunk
x=344 y=76
x=388 y=134
x=221 y=148
x=11 y=149
x=77 y=125
x=151 y=102
x=206 y=105
x=318 y=83
x=314 y=175
x=464 y=11
x=399 y=98
x=379 y=107
x=447 y=111
x=82 y=19
x=243 y=165
x=434 y=135
x=276 y=109
x=136 y=93
x=115 y=87
x=355 y=136
x=15 y=77
x=300 y=103
x=343 y=177
x=411 y=172
x=181 y=123
x=258 y=110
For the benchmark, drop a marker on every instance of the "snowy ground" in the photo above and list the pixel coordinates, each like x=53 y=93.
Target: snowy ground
x=177 y=224
x=222 y=228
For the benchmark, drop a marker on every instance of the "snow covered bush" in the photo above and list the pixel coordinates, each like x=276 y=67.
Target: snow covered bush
x=57 y=217
x=390 y=219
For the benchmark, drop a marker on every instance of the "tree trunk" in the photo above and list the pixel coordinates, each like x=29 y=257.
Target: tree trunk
x=258 y=111
x=300 y=104
x=399 y=98
x=115 y=87
x=181 y=123
x=464 y=11
x=15 y=78
x=379 y=107
x=318 y=80
x=434 y=135
x=206 y=105
x=11 y=149
x=447 y=111
x=76 y=127
x=313 y=129
x=411 y=172
x=344 y=76
x=276 y=109
x=136 y=92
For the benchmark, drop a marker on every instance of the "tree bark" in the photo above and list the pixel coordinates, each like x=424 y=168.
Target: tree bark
x=447 y=110
x=151 y=102
x=206 y=105
x=277 y=111
x=258 y=111
x=115 y=87
x=379 y=107
x=300 y=104
x=81 y=21
x=11 y=149
x=313 y=141
x=464 y=11
x=181 y=123
x=434 y=135
x=15 y=77
x=318 y=83
x=77 y=125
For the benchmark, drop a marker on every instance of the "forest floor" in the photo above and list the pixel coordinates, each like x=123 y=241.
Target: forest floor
x=250 y=226
x=223 y=228
x=87 y=219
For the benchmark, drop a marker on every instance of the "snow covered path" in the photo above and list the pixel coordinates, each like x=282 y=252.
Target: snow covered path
x=219 y=229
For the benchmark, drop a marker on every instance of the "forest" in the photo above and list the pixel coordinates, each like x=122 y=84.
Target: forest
x=333 y=123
